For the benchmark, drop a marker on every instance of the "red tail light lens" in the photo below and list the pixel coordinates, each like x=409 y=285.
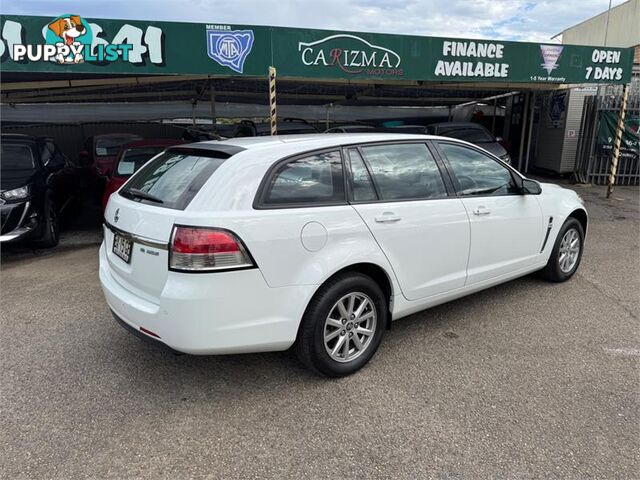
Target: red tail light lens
x=195 y=249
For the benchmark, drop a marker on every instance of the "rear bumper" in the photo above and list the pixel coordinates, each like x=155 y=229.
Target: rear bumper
x=210 y=313
x=142 y=336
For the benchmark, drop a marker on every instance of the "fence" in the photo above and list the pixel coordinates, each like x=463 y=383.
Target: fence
x=593 y=162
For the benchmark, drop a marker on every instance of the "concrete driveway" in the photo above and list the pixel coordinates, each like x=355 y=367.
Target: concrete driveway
x=526 y=380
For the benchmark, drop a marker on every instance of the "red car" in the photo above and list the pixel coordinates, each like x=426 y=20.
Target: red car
x=101 y=150
x=130 y=158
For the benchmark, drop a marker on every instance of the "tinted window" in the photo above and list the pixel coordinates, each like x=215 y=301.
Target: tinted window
x=314 y=179
x=467 y=133
x=174 y=177
x=361 y=183
x=405 y=171
x=134 y=158
x=477 y=173
x=16 y=157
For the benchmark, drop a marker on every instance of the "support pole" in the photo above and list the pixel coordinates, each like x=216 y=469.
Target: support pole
x=493 y=120
x=618 y=140
x=523 y=130
x=529 y=136
x=272 y=101
x=212 y=100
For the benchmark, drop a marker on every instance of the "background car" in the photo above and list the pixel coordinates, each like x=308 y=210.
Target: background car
x=37 y=185
x=130 y=158
x=102 y=150
x=472 y=133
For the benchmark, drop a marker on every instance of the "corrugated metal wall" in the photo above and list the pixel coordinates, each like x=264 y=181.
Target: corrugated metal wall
x=70 y=137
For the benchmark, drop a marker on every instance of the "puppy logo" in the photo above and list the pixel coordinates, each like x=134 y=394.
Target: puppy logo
x=70 y=31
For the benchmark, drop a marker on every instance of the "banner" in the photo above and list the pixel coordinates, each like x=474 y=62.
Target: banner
x=629 y=148
x=71 y=43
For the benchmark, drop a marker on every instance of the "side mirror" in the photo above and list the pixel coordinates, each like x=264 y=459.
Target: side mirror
x=531 y=187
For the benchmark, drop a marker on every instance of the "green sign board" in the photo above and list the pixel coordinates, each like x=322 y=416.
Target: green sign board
x=74 y=44
x=630 y=145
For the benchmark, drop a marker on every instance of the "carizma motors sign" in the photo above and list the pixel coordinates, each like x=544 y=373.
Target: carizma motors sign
x=351 y=54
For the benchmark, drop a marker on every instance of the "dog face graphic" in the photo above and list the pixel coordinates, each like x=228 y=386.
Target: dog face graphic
x=68 y=28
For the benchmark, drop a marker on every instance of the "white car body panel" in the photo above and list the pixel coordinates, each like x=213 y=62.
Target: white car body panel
x=438 y=251
x=427 y=246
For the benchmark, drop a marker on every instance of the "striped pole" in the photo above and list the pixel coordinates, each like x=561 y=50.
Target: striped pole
x=272 y=101
x=618 y=140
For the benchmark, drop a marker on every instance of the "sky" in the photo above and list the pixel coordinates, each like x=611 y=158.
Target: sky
x=523 y=20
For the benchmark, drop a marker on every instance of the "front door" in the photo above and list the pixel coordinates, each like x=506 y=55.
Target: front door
x=506 y=226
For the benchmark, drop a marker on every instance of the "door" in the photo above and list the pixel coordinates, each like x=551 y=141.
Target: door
x=399 y=192
x=506 y=226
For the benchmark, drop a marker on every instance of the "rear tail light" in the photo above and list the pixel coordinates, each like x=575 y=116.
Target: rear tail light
x=202 y=249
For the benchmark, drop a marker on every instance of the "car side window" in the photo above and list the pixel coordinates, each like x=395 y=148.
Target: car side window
x=315 y=179
x=405 y=171
x=477 y=173
x=363 y=189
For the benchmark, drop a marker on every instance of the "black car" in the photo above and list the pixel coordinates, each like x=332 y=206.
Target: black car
x=472 y=133
x=37 y=185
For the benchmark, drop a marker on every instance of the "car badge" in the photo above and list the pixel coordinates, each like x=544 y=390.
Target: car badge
x=116 y=216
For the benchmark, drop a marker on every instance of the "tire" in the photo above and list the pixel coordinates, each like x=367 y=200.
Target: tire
x=50 y=236
x=556 y=270
x=311 y=345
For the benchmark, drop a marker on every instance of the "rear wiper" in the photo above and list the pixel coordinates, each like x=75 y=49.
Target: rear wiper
x=137 y=193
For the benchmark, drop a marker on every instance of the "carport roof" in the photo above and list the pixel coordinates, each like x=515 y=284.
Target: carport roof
x=107 y=47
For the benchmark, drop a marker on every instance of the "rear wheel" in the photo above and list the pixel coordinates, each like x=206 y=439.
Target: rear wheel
x=567 y=252
x=343 y=325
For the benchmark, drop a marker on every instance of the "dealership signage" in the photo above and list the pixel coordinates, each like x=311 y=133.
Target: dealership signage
x=71 y=43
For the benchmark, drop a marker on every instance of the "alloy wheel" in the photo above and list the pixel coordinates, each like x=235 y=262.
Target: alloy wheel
x=350 y=327
x=569 y=250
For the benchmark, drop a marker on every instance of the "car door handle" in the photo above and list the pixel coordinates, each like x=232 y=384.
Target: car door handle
x=387 y=217
x=481 y=211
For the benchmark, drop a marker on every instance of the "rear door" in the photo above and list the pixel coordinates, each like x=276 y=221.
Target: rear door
x=506 y=226
x=400 y=192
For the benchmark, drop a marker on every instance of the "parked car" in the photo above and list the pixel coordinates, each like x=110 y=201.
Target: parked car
x=131 y=157
x=102 y=150
x=37 y=186
x=319 y=241
x=473 y=133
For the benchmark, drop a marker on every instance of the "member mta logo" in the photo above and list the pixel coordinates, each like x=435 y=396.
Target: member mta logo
x=230 y=48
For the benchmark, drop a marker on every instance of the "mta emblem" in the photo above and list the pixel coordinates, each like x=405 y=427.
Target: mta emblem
x=230 y=48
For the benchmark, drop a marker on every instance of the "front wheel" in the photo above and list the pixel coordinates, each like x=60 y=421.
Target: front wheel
x=342 y=326
x=567 y=252
x=50 y=236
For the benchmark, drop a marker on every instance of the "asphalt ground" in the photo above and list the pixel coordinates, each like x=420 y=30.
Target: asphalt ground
x=525 y=380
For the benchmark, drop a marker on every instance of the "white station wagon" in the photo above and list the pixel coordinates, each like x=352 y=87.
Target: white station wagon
x=319 y=241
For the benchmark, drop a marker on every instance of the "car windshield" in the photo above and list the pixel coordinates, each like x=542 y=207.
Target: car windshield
x=468 y=134
x=16 y=157
x=109 y=146
x=134 y=158
x=173 y=178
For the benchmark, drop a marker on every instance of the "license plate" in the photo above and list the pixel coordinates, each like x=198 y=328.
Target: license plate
x=122 y=247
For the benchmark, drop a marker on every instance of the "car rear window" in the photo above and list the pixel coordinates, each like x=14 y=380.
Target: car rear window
x=468 y=134
x=109 y=146
x=134 y=158
x=174 y=177
x=16 y=157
